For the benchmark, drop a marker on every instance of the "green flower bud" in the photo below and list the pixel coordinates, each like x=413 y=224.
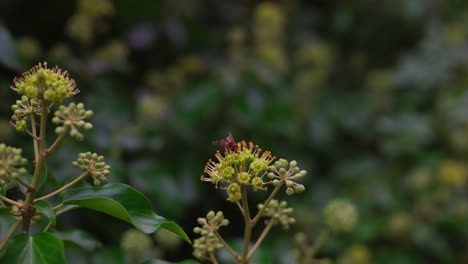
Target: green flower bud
x=210 y=215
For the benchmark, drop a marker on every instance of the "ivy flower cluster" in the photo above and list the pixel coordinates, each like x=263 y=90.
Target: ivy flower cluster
x=340 y=216
x=94 y=165
x=40 y=82
x=11 y=164
x=287 y=173
x=23 y=110
x=71 y=118
x=208 y=243
x=279 y=212
x=245 y=166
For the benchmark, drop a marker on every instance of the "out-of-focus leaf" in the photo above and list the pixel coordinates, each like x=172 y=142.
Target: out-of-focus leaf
x=9 y=55
x=78 y=238
x=122 y=202
x=42 y=248
x=6 y=221
x=158 y=261
x=109 y=255
x=45 y=208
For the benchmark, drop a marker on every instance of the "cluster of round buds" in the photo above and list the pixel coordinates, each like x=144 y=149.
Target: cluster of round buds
x=288 y=173
x=302 y=250
x=94 y=165
x=241 y=165
x=40 y=82
x=11 y=164
x=134 y=242
x=23 y=110
x=71 y=118
x=278 y=212
x=208 y=243
x=340 y=216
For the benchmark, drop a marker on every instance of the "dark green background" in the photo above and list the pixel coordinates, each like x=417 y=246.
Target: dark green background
x=377 y=114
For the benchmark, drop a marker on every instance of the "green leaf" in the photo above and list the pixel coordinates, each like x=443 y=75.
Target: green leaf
x=2 y=191
x=9 y=55
x=42 y=248
x=78 y=238
x=107 y=255
x=45 y=208
x=123 y=202
x=6 y=221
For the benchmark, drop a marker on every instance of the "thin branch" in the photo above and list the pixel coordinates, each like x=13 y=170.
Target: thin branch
x=213 y=258
x=61 y=189
x=11 y=231
x=55 y=144
x=35 y=138
x=265 y=205
x=58 y=206
x=226 y=245
x=34 y=132
x=240 y=207
x=8 y=200
x=24 y=183
x=248 y=226
x=260 y=238
x=318 y=242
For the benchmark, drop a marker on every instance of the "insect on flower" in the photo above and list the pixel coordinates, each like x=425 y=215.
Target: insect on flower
x=227 y=143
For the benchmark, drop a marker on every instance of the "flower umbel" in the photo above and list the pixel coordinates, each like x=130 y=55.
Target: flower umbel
x=40 y=82
x=208 y=243
x=341 y=216
x=280 y=173
x=94 y=165
x=279 y=213
x=245 y=165
x=71 y=118
x=23 y=110
x=11 y=164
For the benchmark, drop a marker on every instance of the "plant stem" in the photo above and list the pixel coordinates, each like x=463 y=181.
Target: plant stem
x=240 y=207
x=34 y=132
x=213 y=258
x=58 y=206
x=265 y=205
x=261 y=238
x=11 y=231
x=55 y=144
x=8 y=200
x=27 y=207
x=319 y=242
x=247 y=228
x=61 y=189
x=226 y=245
x=24 y=183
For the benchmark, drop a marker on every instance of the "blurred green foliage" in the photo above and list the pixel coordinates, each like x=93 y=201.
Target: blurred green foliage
x=370 y=95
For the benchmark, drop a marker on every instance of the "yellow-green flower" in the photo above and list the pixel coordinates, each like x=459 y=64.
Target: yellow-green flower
x=43 y=83
x=244 y=166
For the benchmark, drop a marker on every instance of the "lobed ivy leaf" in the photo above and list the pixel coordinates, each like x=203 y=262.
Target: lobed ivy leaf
x=42 y=248
x=120 y=201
